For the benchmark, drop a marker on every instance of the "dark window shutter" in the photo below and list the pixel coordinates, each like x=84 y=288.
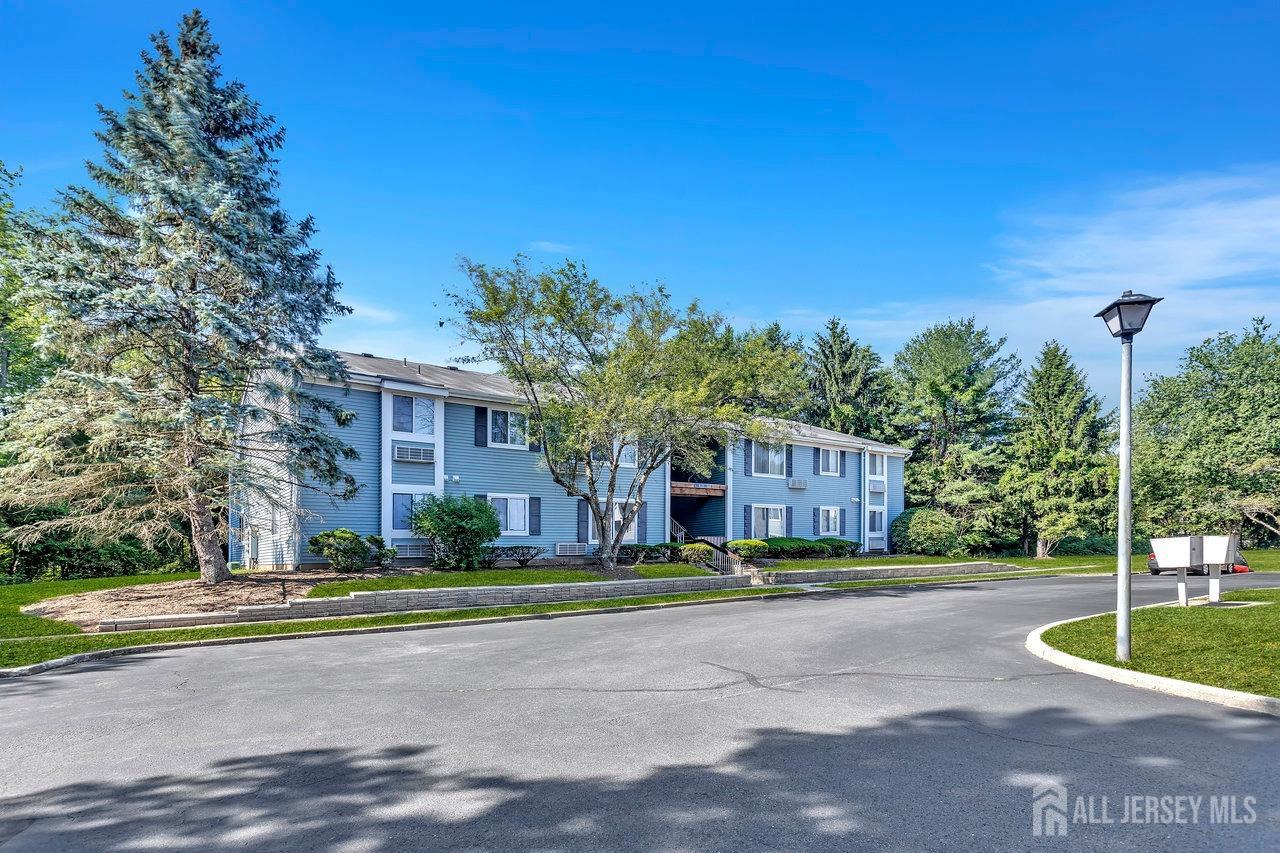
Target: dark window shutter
x=790 y=467
x=747 y=532
x=535 y=516
x=791 y=521
x=584 y=520
x=534 y=447
x=481 y=497
x=817 y=462
x=642 y=523
x=482 y=426
x=746 y=457
x=844 y=521
x=844 y=468
x=817 y=528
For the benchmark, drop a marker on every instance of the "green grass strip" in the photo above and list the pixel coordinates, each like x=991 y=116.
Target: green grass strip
x=13 y=597
x=23 y=652
x=438 y=580
x=990 y=576
x=1234 y=648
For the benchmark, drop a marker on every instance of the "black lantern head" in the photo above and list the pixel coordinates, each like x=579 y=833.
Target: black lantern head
x=1127 y=315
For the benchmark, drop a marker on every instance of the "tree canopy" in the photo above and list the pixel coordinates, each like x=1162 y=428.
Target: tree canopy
x=615 y=384
x=849 y=388
x=171 y=290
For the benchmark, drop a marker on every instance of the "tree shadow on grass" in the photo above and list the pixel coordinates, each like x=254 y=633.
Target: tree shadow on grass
x=944 y=780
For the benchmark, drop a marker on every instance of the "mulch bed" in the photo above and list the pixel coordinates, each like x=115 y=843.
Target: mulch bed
x=87 y=609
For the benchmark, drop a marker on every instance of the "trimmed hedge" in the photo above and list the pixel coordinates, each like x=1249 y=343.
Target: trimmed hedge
x=840 y=547
x=748 y=549
x=926 y=531
x=697 y=554
x=792 y=547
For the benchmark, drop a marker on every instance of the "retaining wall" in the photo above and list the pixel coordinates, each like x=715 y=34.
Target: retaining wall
x=401 y=600
x=830 y=575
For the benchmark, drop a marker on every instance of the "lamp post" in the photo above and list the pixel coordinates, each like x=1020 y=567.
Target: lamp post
x=1125 y=318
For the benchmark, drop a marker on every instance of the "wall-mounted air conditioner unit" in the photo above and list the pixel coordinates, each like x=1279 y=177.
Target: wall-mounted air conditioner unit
x=797 y=483
x=407 y=453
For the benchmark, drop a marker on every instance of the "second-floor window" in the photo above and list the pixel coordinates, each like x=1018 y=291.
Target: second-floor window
x=875 y=465
x=829 y=462
x=769 y=460
x=413 y=414
x=507 y=429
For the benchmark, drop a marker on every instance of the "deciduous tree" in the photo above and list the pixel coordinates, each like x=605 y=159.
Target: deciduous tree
x=614 y=384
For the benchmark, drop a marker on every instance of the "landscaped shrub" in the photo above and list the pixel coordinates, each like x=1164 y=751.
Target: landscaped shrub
x=1097 y=546
x=926 y=531
x=521 y=555
x=840 y=547
x=638 y=553
x=381 y=554
x=670 y=551
x=458 y=528
x=343 y=548
x=748 y=549
x=793 y=547
x=697 y=553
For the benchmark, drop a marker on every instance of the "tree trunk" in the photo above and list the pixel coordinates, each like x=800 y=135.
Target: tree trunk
x=1042 y=548
x=204 y=539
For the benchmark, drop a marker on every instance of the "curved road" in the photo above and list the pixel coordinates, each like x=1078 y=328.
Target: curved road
x=906 y=719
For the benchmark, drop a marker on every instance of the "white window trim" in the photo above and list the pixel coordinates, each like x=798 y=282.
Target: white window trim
x=629 y=537
x=837 y=453
x=884 y=514
x=884 y=466
x=502 y=444
x=512 y=496
x=756 y=473
x=417 y=399
x=754 y=507
x=836 y=530
x=617 y=453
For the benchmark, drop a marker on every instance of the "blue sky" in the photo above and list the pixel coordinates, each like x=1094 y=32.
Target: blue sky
x=890 y=164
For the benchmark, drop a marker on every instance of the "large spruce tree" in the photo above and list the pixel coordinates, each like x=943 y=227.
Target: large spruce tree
x=848 y=384
x=953 y=386
x=1059 y=477
x=168 y=290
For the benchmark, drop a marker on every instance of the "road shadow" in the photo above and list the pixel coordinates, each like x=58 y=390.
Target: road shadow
x=945 y=780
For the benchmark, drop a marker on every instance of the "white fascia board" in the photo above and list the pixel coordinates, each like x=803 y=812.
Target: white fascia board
x=410 y=387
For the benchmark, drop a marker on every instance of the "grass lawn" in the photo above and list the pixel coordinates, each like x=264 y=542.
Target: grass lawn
x=655 y=571
x=435 y=580
x=1235 y=648
x=12 y=598
x=23 y=652
x=990 y=576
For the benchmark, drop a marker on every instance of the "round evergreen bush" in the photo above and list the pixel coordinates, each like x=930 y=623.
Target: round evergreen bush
x=926 y=531
x=748 y=549
x=697 y=553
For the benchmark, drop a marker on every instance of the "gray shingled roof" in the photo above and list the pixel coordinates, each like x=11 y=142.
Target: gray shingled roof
x=498 y=387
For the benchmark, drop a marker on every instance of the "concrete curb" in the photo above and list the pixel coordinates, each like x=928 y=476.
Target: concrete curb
x=1159 y=683
x=103 y=654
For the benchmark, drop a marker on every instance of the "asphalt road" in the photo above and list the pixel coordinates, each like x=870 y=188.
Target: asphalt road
x=903 y=719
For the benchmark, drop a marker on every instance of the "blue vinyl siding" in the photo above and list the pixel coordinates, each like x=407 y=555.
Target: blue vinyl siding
x=896 y=497
x=363 y=513
x=490 y=470
x=412 y=473
x=821 y=491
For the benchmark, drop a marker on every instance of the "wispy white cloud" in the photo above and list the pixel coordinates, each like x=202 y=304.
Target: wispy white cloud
x=550 y=246
x=372 y=313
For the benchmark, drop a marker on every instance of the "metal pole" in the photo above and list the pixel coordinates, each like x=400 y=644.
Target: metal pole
x=1124 y=537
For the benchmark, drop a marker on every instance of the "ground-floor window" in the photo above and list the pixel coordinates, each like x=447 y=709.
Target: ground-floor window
x=875 y=522
x=628 y=536
x=829 y=521
x=769 y=521
x=401 y=511
x=513 y=513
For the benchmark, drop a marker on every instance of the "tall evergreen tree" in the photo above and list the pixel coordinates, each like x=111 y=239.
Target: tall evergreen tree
x=168 y=293
x=1059 y=476
x=848 y=384
x=953 y=389
x=21 y=366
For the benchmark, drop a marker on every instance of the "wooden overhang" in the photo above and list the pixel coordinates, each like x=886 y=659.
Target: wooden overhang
x=697 y=490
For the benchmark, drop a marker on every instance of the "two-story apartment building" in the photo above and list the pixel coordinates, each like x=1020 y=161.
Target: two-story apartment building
x=430 y=429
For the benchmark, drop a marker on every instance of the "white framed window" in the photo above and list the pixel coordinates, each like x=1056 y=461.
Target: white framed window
x=513 y=513
x=630 y=534
x=401 y=510
x=413 y=415
x=626 y=454
x=875 y=464
x=828 y=521
x=768 y=521
x=875 y=522
x=875 y=497
x=829 y=462
x=507 y=429
x=769 y=460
